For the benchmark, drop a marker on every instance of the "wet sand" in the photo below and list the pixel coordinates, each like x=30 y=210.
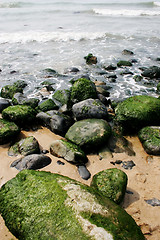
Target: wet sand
x=143 y=180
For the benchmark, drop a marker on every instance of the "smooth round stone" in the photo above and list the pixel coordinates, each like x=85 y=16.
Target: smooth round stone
x=83 y=172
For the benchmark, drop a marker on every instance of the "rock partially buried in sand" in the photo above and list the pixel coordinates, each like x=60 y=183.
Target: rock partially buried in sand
x=150 y=138
x=89 y=133
x=69 y=151
x=8 y=131
x=83 y=172
x=111 y=183
x=25 y=147
x=33 y=161
x=43 y=205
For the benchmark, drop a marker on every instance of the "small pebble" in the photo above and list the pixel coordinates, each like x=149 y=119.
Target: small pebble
x=118 y=161
x=153 y=202
x=60 y=163
x=129 y=192
x=83 y=172
x=44 y=151
x=128 y=164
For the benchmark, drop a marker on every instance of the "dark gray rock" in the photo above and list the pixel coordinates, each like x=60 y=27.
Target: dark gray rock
x=33 y=161
x=154 y=202
x=4 y=103
x=152 y=72
x=83 y=172
x=90 y=108
x=128 y=164
x=127 y=52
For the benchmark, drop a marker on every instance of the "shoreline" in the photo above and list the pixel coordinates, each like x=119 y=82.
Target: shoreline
x=143 y=179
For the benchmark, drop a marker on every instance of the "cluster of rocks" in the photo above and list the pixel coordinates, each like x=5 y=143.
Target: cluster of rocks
x=88 y=122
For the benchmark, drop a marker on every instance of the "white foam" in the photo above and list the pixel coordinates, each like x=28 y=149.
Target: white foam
x=125 y=12
x=156 y=3
x=31 y=36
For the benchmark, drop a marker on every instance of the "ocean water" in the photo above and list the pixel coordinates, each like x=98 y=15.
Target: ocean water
x=38 y=34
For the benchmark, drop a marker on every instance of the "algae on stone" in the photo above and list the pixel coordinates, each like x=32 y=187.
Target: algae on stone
x=83 y=89
x=111 y=183
x=20 y=114
x=89 y=133
x=63 y=96
x=69 y=151
x=137 y=112
x=150 y=138
x=46 y=105
x=42 y=205
x=8 y=131
x=9 y=90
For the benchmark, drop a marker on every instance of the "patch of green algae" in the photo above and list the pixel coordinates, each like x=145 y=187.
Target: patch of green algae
x=34 y=206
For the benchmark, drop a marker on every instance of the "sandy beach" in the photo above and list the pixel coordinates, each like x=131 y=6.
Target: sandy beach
x=143 y=180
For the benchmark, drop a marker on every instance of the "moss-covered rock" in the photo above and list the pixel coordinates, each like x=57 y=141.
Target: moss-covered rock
x=137 y=112
x=89 y=108
x=46 y=105
x=8 y=91
x=90 y=59
x=83 y=89
x=20 y=114
x=8 y=131
x=20 y=99
x=69 y=151
x=125 y=63
x=150 y=138
x=42 y=205
x=25 y=147
x=111 y=183
x=89 y=133
x=63 y=96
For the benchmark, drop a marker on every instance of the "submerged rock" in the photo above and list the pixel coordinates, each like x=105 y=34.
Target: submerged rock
x=42 y=205
x=125 y=63
x=89 y=133
x=20 y=114
x=89 y=108
x=32 y=161
x=150 y=138
x=127 y=52
x=8 y=131
x=137 y=112
x=25 y=147
x=83 y=89
x=69 y=151
x=111 y=183
x=152 y=72
x=90 y=59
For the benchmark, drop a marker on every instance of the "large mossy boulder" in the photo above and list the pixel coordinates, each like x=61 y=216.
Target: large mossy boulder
x=89 y=108
x=8 y=91
x=20 y=114
x=137 y=112
x=89 y=133
x=25 y=147
x=42 y=205
x=150 y=138
x=8 y=131
x=83 y=89
x=69 y=151
x=111 y=183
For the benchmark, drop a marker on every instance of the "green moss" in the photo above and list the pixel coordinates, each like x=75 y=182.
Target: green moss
x=89 y=133
x=63 y=96
x=83 y=89
x=19 y=114
x=42 y=205
x=124 y=63
x=47 y=105
x=8 y=131
x=111 y=183
x=8 y=91
x=138 y=111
